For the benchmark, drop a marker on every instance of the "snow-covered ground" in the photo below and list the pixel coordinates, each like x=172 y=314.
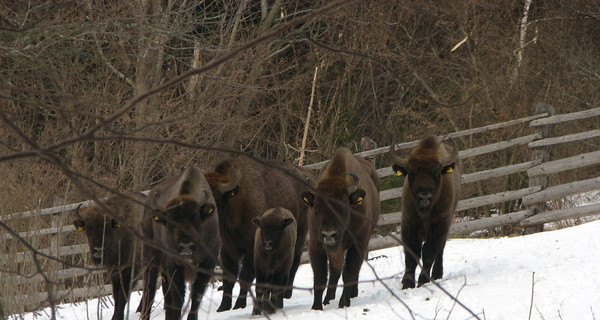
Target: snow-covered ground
x=493 y=278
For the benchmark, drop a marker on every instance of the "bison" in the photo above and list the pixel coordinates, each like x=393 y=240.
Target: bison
x=344 y=210
x=274 y=246
x=430 y=193
x=108 y=225
x=185 y=222
x=244 y=189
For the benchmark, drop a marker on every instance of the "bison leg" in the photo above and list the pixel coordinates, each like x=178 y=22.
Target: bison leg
x=438 y=266
x=197 y=292
x=121 y=288
x=279 y=282
x=412 y=253
x=295 y=264
x=352 y=267
x=175 y=291
x=230 y=272
x=150 y=279
x=318 y=261
x=260 y=293
x=246 y=278
x=334 y=277
x=432 y=249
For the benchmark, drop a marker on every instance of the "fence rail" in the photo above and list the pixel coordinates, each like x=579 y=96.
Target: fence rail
x=525 y=215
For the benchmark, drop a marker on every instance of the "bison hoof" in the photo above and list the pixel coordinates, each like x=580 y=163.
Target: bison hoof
x=423 y=279
x=344 y=302
x=354 y=291
x=317 y=306
x=240 y=304
x=224 y=307
x=287 y=294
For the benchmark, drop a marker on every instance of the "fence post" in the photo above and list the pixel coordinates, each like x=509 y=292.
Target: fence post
x=542 y=153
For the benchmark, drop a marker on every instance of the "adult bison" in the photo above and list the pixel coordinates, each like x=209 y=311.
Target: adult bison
x=345 y=209
x=274 y=246
x=108 y=225
x=185 y=223
x=244 y=189
x=430 y=193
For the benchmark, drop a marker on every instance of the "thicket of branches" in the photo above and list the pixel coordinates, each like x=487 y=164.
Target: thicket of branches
x=70 y=73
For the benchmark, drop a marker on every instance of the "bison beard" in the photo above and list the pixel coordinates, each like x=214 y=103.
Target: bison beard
x=430 y=194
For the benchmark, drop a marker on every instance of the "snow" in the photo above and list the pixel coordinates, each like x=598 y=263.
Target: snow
x=491 y=277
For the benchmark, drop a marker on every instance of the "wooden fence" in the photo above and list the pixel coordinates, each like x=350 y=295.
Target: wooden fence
x=523 y=206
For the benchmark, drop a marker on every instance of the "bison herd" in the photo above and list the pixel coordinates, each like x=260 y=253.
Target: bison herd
x=253 y=217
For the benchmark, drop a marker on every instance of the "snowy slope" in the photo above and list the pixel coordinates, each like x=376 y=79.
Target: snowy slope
x=492 y=277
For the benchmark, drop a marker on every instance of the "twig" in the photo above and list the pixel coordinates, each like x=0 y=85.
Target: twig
x=310 y=105
x=532 y=287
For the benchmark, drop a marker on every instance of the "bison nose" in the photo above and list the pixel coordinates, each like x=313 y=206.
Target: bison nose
x=186 y=248
x=329 y=237
x=424 y=199
x=97 y=252
x=268 y=244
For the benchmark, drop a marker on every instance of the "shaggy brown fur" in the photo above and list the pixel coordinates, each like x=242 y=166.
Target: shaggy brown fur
x=345 y=209
x=245 y=189
x=274 y=244
x=430 y=194
x=184 y=220
x=108 y=225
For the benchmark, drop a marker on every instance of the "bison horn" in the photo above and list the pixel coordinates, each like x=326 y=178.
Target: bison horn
x=225 y=187
x=395 y=159
x=355 y=184
x=452 y=157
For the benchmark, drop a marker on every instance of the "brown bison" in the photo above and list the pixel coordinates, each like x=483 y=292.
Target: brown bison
x=345 y=209
x=108 y=225
x=185 y=222
x=274 y=246
x=244 y=189
x=431 y=191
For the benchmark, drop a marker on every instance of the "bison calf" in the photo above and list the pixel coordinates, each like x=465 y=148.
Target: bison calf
x=274 y=244
x=430 y=193
x=108 y=225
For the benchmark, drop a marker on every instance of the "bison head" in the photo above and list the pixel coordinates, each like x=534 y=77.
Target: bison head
x=272 y=226
x=183 y=219
x=425 y=170
x=332 y=206
x=103 y=231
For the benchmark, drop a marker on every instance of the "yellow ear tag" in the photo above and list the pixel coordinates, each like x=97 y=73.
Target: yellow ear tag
x=117 y=225
x=210 y=210
x=359 y=201
x=80 y=228
x=306 y=200
x=449 y=170
x=156 y=218
x=398 y=173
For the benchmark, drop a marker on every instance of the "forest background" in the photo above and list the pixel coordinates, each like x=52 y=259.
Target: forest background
x=73 y=74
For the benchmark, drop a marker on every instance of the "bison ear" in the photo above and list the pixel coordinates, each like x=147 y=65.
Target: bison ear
x=287 y=222
x=159 y=217
x=256 y=221
x=79 y=224
x=207 y=210
x=115 y=223
x=356 y=198
x=308 y=198
x=399 y=170
x=449 y=168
